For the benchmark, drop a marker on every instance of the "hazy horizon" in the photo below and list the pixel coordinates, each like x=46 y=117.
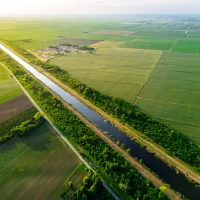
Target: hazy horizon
x=47 y=7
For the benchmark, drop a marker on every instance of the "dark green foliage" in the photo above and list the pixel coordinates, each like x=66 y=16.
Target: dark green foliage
x=6 y=126
x=92 y=189
x=124 y=174
x=174 y=142
x=23 y=128
x=28 y=125
x=85 y=48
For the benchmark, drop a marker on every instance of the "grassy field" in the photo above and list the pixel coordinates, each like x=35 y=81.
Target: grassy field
x=117 y=72
x=39 y=163
x=173 y=93
x=9 y=89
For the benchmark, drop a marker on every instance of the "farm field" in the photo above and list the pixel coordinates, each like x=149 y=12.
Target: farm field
x=9 y=89
x=119 y=73
x=39 y=163
x=138 y=42
x=14 y=106
x=189 y=45
x=173 y=95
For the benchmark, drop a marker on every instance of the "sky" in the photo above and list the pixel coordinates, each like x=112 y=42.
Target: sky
x=100 y=7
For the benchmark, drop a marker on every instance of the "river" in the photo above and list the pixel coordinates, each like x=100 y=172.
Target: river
x=176 y=181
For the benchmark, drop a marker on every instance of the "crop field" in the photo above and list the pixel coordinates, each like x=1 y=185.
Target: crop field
x=141 y=42
x=39 y=163
x=188 y=45
x=9 y=89
x=173 y=93
x=120 y=72
x=14 y=106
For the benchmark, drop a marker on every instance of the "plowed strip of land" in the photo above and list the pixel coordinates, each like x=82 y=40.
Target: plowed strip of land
x=79 y=41
x=14 y=106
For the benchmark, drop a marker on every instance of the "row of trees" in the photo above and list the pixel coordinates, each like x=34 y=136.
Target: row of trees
x=6 y=126
x=23 y=128
x=28 y=125
x=91 y=189
x=174 y=142
x=119 y=170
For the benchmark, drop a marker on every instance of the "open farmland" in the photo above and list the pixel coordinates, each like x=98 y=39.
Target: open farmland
x=39 y=163
x=173 y=93
x=9 y=89
x=117 y=72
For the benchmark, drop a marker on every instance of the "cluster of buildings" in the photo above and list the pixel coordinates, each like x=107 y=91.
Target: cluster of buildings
x=57 y=50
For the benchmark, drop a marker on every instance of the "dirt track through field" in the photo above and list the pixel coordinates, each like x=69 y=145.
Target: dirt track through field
x=79 y=41
x=136 y=99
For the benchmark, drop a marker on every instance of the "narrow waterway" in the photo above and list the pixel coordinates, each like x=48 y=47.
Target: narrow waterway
x=176 y=181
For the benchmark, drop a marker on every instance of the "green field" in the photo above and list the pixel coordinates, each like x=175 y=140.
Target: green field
x=189 y=45
x=173 y=93
x=9 y=89
x=117 y=72
x=36 y=166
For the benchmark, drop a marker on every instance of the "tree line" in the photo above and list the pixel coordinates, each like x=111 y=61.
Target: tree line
x=23 y=128
x=174 y=142
x=7 y=125
x=118 y=169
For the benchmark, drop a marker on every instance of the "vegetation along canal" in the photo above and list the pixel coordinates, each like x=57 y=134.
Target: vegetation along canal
x=177 y=181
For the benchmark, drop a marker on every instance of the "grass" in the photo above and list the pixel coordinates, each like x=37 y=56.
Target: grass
x=119 y=73
x=173 y=95
x=39 y=163
x=9 y=89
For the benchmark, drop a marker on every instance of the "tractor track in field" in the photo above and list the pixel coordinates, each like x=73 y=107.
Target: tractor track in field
x=140 y=92
x=170 y=102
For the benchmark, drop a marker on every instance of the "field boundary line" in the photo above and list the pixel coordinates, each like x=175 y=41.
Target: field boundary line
x=169 y=102
x=175 y=43
x=140 y=92
x=60 y=134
